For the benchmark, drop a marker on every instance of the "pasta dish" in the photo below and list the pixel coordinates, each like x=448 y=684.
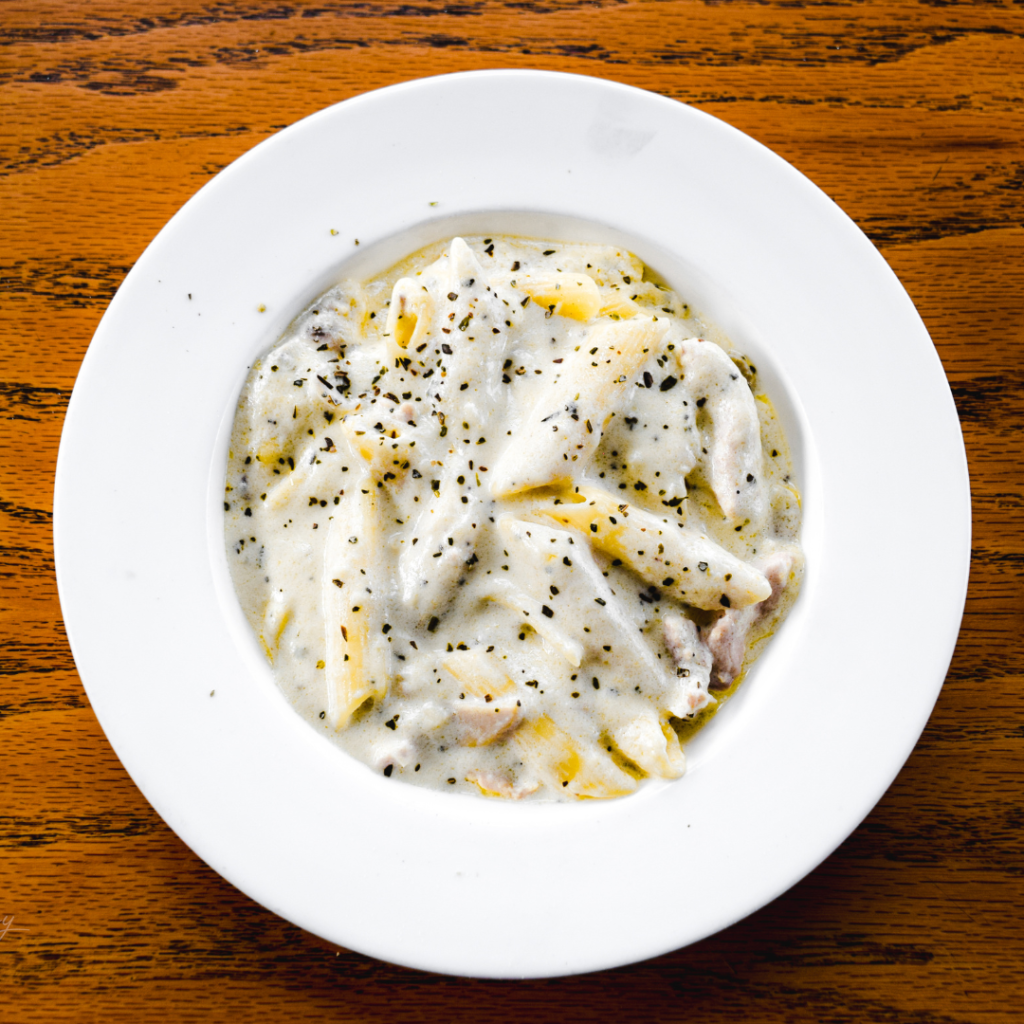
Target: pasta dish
x=510 y=519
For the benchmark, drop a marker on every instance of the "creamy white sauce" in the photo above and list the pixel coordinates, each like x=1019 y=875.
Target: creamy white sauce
x=508 y=517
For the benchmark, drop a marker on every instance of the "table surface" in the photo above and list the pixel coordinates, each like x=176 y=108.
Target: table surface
x=909 y=114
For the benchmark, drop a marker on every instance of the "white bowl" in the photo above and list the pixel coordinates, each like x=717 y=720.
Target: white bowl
x=452 y=883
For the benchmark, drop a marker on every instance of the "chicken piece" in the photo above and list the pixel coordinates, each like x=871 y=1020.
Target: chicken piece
x=729 y=637
x=735 y=461
x=693 y=663
x=563 y=429
x=480 y=724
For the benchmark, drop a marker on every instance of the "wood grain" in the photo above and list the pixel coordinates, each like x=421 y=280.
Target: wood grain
x=909 y=114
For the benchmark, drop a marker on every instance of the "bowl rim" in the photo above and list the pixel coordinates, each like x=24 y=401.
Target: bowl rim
x=743 y=224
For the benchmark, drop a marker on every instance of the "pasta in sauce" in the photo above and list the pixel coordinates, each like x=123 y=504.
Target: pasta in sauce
x=510 y=519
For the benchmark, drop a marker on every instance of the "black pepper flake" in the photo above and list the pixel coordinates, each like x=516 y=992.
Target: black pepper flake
x=433 y=624
x=648 y=379
x=667 y=581
x=549 y=252
x=724 y=601
x=452 y=296
x=700 y=403
x=248 y=512
x=703 y=566
x=451 y=782
x=386 y=628
x=596 y=683
x=601 y=601
x=547 y=611
x=668 y=384
x=323 y=714
x=565 y=560
x=446 y=348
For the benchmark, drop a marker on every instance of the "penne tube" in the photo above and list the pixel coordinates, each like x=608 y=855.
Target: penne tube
x=652 y=745
x=617 y=305
x=567 y=767
x=686 y=565
x=572 y=295
x=275 y=618
x=357 y=660
x=388 y=452
x=480 y=674
x=410 y=313
x=734 y=462
x=511 y=597
x=564 y=427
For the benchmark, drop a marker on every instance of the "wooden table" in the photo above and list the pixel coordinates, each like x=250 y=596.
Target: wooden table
x=909 y=114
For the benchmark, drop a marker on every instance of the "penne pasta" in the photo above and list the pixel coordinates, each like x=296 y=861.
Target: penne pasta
x=734 y=464
x=564 y=426
x=572 y=295
x=478 y=673
x=685 y=564
x=652 y=745
x=579 y=771
x=357 y=663
x=410 y=313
